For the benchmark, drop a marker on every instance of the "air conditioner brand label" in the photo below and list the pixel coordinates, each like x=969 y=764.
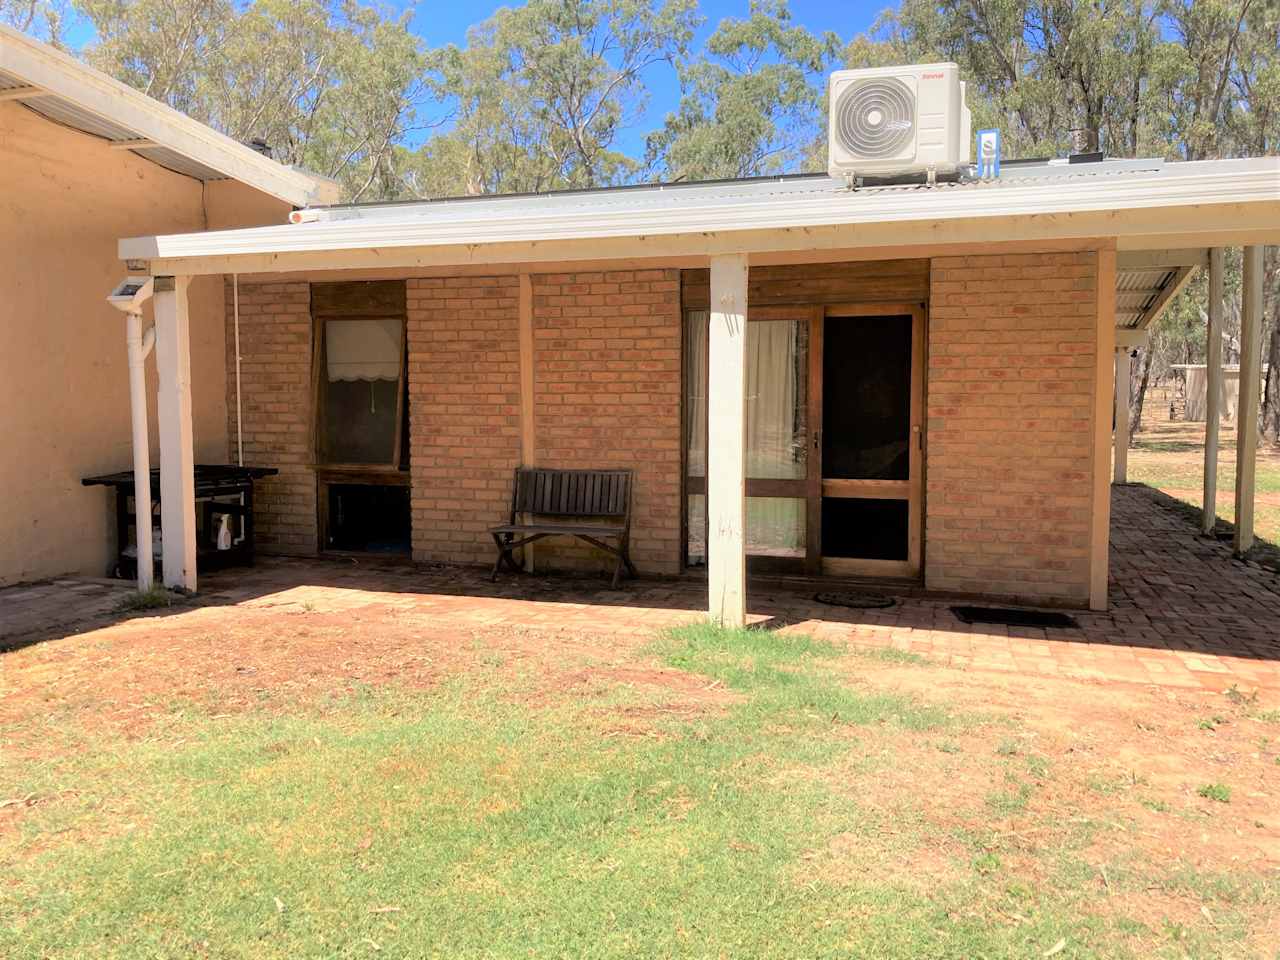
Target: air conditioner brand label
x=932 y=76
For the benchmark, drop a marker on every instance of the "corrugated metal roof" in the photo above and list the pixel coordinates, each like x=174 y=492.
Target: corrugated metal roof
x=179 y=163
x=9 y=82
x=1138 y=280
x=70 y=115
x=1137 y=290
x=642 y=197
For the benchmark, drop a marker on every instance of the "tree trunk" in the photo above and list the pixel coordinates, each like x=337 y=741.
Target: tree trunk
x=1138 y=397
x=1271 y=393
x=1271 y=390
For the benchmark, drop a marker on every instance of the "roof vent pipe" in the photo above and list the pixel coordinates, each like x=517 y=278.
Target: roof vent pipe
x=1085 y=146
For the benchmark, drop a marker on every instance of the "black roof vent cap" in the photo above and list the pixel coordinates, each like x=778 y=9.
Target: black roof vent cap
x=1085 y=146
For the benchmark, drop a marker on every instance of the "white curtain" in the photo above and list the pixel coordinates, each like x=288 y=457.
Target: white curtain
x=363 y=349
x=695 y=391
x=774 y=415
x=776 y=433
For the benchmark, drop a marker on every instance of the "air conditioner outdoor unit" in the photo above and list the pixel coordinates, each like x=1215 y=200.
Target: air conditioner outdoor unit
x=891 y=121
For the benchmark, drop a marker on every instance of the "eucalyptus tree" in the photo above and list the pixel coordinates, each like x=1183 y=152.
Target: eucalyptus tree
x=43 y=19
x=1196 y=66
x=539 y=94
x=333 y=88
x=1254 y=126
x=1037 y=69
x=752 y=101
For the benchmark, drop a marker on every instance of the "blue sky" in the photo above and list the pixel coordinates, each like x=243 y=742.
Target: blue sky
x=440 y=23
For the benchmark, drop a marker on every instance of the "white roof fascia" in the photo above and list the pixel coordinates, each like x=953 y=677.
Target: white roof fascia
x=751 y=207
x=58 y=74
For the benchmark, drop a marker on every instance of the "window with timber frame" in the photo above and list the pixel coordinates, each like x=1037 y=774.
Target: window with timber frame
x=360 y=363
x=360 y=410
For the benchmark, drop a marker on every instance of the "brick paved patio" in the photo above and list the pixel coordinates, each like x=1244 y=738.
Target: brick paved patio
x=1184 y=613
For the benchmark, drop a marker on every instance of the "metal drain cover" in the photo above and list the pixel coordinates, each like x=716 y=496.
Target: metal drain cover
x=1014 y=618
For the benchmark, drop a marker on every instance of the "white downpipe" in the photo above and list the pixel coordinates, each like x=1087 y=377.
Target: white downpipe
x=235 y=310
x=139 y=347
x=1120 y=459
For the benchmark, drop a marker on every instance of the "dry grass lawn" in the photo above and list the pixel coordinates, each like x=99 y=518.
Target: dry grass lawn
x=1169 y=455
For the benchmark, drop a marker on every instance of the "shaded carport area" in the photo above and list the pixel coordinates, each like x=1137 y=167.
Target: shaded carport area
x=1147 y=281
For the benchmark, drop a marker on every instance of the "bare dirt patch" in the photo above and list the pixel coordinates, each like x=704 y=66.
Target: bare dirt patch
x=117 y=677
x=226 y=659
x=1129 y=748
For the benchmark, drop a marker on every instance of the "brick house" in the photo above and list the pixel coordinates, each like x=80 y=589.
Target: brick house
x=904 y=383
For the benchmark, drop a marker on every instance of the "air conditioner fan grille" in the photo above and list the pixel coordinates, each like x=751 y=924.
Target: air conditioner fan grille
x=875 y=119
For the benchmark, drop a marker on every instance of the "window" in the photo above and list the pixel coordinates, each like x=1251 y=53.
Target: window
x=361 y=422
x=361 y=391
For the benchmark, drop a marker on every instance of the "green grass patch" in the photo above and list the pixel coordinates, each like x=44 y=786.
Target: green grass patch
x=891 y=655
x=1216 y=791
x=157 y=598
x=1008 y=803
x=783 y=671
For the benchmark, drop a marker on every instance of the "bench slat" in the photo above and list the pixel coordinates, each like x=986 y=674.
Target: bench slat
x=572 y=493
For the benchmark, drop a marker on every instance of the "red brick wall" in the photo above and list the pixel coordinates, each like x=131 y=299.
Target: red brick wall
x=275 y=367
x=464 y=412
x=607 y=394
x=1012 y=343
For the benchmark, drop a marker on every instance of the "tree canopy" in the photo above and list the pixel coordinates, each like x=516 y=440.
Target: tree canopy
x=541 y=95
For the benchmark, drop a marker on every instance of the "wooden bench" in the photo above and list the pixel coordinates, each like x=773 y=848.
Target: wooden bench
x=591 y=505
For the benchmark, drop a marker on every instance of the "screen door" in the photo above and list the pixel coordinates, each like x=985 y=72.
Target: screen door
x=869 y=440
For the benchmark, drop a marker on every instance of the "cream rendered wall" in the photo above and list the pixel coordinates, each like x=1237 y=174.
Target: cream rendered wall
x=65 y=199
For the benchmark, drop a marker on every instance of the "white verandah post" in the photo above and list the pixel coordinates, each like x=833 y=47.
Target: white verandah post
x=1120 y=459
x=1250 y=396
x=726 y=441
x=177 y=459
x=141 y=444
x=1213 y=392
